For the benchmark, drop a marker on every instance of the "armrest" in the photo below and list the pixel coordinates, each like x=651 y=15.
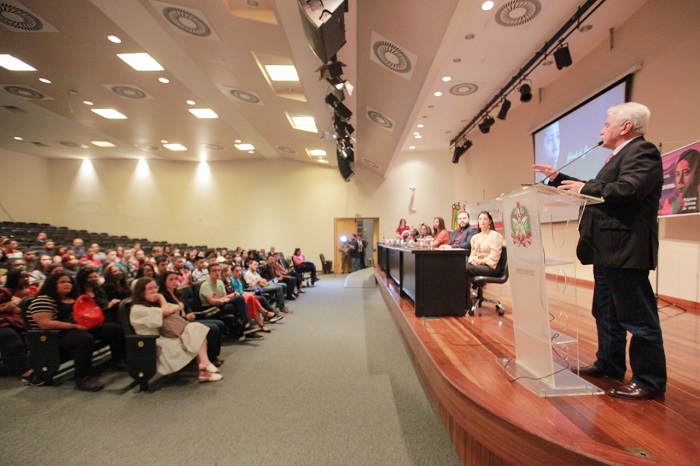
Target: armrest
x=208 y=312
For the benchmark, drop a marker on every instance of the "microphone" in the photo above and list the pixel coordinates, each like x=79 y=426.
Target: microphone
x=557 y=170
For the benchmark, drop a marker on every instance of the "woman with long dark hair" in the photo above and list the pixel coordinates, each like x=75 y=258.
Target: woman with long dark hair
x=52 y=309
x=441 y=234
x=487 y=246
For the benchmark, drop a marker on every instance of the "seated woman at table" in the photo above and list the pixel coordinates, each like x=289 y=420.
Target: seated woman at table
x=402 y=229
x=441 y=234
x=486 y=249
x=148 y=311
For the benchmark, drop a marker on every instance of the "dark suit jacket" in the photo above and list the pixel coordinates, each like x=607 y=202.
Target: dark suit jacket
x=465 y=242
x=623 y=231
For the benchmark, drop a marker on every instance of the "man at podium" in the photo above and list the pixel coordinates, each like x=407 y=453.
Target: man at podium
x=620 y=238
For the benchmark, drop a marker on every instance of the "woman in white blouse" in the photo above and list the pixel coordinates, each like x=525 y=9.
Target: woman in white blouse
x=486 y=249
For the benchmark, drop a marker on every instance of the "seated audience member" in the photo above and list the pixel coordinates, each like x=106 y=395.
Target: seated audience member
x=167 y=286
x=282 y=269
x=146 y=270
x=78 y=248
x=12 y=339
x=128 y=264
x=139 y=257
x=486 y=250
x=149 y=309
x=18 y=284
x=88 y=282
x=213 y=293
x=190 y=259
x=161 y=264
x=199 y=274
x=52 y=309
x=111 y=257
x=301 y=265
x=41 y=271
x=116 y=288
x=70 y=263
x=49 y=249
x=255 y=309
x=91 y=258
x=254 y=280
x=97 y=253
x=273 y=272
x=41 y=237
x=441 y=234
x=29 y=257
x=10 y=248
x=184 y=276
x=462 y=237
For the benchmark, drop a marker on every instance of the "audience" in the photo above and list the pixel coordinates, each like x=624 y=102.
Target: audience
x=254 y=280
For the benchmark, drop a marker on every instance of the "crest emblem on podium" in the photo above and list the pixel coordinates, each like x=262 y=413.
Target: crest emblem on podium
x=521 y=229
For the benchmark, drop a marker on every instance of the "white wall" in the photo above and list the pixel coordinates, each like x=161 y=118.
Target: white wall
x=24 y=188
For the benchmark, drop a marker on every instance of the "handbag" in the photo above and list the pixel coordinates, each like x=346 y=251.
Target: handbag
x=173 y=325
x=87 y=312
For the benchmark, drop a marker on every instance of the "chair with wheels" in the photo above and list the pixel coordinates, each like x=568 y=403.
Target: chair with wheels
x=481 y=280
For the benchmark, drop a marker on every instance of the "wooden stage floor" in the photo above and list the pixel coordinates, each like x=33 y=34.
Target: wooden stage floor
x=492 y=420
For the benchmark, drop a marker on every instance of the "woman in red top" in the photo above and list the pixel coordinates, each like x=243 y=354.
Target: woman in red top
x=441 y=234
x=403 y=226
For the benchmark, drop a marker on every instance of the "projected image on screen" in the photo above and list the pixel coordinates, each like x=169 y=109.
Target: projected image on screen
x=576 y=132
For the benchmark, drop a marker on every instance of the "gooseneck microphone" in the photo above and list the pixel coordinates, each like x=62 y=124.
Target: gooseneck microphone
x=557 y=170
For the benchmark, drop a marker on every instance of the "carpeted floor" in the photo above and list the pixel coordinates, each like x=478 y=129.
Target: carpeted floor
x=332 y=384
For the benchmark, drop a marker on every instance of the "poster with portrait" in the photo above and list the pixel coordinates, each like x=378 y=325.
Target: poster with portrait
x=679 y=195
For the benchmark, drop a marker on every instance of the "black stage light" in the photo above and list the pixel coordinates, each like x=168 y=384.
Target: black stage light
x=505 y=106
x=486 y=123
x=525 y=93
x=460 y=149
x=562 y=57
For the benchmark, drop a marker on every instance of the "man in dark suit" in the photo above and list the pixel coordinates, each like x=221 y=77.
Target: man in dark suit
x=620 y=238
x=462 y=237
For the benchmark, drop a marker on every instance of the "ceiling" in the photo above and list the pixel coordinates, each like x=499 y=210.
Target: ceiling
x=212 y=52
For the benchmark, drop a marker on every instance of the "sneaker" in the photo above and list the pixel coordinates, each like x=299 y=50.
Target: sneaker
x=251 y=329
x=254 y=337
x=34 y=380
x=89 y=384
x=276 y=318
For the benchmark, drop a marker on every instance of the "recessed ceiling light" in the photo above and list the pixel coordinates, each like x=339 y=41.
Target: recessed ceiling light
x=411 y=147
x=44 y=80
x=114 y=39
x=109 y=113
x=251 y=152
x=163 y=141
x=18 y=138
x=14 y=64
x=253 y=3
x=175 y=147
x=140 y=61
x=244 y=146
x=437 y=94
x=203 y=113
x=415 y=132
x=487 y=5
x=319 y=160
x=237 y=141
x=102 y=144
x=302 y=123
x=420 y=125
x=164 y=80
x=469 y=36
x=456 y=60
x=585 y=28
x=417 y=136
x=446 y=79
x=317 y=152
x=191 y=102
x=282 y=72
x=547 y=62
x=87 y=102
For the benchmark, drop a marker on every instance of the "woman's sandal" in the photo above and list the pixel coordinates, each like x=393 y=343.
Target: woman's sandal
x=211 y=368
x=265 y=329
x=205 y=376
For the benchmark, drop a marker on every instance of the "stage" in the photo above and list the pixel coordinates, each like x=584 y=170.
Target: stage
x=493 y=420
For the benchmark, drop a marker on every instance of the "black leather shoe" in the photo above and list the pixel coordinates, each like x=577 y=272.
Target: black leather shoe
x=592 y=370
x=632 y=391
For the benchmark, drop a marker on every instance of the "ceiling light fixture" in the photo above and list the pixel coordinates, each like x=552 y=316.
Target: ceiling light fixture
x=109 y=113
x=87 y=102
x=175 y=147
x=459 y=148
x=45 y=81
x=114 y=39
x=562 y=56
x=164 y=80
x=446 y=79
x=203 y=113
x=244 y=146
x=437 y=94
x=140 y=61
x=487 y=5
x=486 y=123
x=505 y=106
x=191 y=102
x=525 y=93
x=14 y=64
x=104 y=144
x=282 y=72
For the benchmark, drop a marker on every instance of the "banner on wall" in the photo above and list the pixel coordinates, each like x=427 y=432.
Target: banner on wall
x=679 y=195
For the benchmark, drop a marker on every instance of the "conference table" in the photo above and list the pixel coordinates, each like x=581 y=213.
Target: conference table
x=435 y=279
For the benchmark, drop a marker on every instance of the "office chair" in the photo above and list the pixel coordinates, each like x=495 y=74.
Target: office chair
x=481 y=280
